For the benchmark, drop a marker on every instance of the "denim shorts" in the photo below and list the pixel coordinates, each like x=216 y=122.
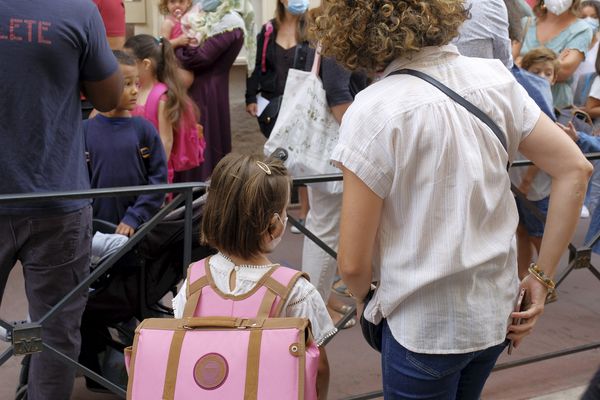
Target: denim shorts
x=532 y=224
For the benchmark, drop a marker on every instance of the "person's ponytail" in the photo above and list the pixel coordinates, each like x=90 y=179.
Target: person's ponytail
x=178 y=102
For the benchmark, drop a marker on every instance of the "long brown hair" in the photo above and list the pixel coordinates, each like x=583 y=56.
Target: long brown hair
x=245 y=193
x=160 y=53
x=301 y=28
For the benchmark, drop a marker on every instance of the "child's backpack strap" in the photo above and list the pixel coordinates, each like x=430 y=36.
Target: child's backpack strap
x=268 y=33
x=197 y=279
x=279 y=283
x=151 y=107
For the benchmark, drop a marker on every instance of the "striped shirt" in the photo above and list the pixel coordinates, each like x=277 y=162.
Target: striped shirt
x=445 y=247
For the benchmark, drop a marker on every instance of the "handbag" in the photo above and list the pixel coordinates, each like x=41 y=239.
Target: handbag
x=373 y=332
x=225 y=346
x=306 y=128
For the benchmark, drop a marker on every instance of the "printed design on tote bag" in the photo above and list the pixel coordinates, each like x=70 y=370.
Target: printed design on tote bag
x=211 y=371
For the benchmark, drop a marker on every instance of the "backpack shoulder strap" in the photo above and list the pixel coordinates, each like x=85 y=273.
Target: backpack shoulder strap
x=279 y=285
x=268 y=32
x=151 y=107
x=197 y=279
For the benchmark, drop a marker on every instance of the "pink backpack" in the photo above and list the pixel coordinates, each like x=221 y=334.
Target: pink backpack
x=188 y=139
x=226 y=347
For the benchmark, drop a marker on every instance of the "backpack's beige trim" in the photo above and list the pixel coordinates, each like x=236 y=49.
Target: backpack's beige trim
x=284 y=296
x=258 y=285
x=197 y=286
x=191 y=304
x=253 y=365
x=173 y=365
x=220 y=323
x=302 y=367
x=132 y=365
x=267 y=304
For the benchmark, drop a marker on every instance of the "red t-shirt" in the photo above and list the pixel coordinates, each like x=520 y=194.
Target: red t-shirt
x=113 y=16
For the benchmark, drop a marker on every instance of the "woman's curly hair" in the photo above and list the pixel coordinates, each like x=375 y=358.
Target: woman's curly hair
x=369 y=34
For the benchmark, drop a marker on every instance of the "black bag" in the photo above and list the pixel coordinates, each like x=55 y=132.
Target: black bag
x=372 y=332
x=267 y=119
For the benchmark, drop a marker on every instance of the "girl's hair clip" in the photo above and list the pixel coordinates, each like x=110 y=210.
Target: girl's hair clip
x=159 y=40
x=264 y=167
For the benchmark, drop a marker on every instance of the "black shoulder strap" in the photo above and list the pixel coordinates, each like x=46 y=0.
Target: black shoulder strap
x=144 y=149
x=460 y=100
x=300 y=56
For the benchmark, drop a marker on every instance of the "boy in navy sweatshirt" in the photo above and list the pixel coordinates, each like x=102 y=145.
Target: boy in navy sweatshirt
x=125 y=151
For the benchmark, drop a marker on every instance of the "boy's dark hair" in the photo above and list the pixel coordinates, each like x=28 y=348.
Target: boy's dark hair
x=540 y=54
x=245 y=193
x=124 y=58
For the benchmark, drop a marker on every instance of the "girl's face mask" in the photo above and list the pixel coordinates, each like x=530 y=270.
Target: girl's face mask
x=593 y=23
x=558 y=7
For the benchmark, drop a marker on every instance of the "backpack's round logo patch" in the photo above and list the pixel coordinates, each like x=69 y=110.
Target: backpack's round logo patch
x=211 y=371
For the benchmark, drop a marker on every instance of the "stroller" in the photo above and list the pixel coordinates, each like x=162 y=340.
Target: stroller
x=129 y=292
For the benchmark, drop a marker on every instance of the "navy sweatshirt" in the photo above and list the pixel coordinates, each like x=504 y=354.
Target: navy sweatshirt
x=125 y=152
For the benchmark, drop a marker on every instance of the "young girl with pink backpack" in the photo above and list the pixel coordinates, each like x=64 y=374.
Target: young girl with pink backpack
x=243 y=323
x=163 y=100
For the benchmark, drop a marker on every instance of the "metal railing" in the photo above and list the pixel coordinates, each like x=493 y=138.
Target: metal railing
x=25 y=338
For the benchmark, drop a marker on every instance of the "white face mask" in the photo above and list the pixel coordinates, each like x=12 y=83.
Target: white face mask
x=275 y=241
x=592 y=22
x=558 y=7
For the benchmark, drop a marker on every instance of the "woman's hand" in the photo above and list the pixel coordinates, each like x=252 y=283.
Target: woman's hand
x=535 y=298
x=252 y=109
x=569 y=130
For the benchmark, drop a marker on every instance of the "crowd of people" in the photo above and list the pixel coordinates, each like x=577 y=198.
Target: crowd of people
x=427 y=212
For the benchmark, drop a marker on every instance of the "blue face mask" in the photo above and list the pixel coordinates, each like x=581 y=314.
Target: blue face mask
x=297 y=7
x=209 y=5
x=593 y=23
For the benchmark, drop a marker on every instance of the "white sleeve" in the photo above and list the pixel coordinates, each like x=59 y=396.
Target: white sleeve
x=595 y=89
x=179 y=301
x=306 y=302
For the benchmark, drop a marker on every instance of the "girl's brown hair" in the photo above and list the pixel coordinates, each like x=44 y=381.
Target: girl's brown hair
x=370 y=34
x=243 y=197
x=160 y=53
x=162 y=6
x=540 y=54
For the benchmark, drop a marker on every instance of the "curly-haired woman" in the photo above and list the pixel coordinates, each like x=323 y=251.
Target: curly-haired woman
x=427 y=208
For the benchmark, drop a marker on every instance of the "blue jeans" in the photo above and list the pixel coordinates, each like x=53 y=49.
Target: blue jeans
x=410 y=375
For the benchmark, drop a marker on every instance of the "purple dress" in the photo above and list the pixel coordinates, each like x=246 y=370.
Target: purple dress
x=210 y=64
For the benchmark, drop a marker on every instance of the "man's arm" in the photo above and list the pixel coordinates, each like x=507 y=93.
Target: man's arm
x=105 y=94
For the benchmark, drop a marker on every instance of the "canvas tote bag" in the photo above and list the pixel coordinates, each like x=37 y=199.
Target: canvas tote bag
x=306 y=128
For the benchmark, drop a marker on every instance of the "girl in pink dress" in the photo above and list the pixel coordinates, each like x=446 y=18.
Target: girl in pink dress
x=172 y=29
x=162 y=99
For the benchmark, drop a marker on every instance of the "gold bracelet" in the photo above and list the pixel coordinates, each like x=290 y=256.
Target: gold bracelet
x=538 y=274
